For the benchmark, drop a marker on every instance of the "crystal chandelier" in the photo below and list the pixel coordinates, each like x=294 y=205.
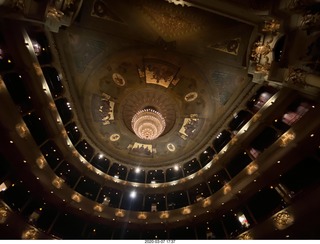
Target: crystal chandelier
x=148 y=124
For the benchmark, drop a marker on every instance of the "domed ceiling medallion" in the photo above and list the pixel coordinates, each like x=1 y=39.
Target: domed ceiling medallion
x=149 y=110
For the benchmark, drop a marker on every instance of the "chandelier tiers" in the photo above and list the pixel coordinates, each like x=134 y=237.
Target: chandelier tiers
x=148 y=112
x=148 y=124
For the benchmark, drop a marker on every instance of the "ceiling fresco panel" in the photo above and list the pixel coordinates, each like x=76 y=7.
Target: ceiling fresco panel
x=181 y=62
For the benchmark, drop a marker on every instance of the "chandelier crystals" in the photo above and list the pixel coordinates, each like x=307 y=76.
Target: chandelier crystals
x=148 y=124
x=148 y=112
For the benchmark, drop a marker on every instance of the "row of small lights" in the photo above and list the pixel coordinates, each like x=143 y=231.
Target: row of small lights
x=133 y=194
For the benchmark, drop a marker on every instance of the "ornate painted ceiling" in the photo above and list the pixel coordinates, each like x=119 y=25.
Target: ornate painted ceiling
x=123 y=56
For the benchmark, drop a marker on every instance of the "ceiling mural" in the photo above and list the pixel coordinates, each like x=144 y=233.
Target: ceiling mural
x=103 y=108
x=141 y=149
x=189 y=127
x=159 y=73
x=119 y=96
x=153 y=97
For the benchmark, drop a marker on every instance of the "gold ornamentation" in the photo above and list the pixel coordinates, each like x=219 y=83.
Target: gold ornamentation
x=286 y=138
x=98 y=208
x=106 y=109
x=296 y=77
x=186 y=211
x=76 y=197
x=260 y=49
x=164 y=215
x=171 y=21
x=179 y=2
x=114 y=137
x=252 y=167
x=283 y=219
x=191 y=96
x=54 y=14
x=262 y=68
x=118 y=79
x=160 y=73
x=22 y=130
x=142 y=216
x=41 y=162
x=226 y=189
x=30 y=234
x=120 y=213
x=3 y=214
x=206 y=203
x=189 y=126
x=171 y=147
x=271 y=26
x=57 y=182
x=141 y=149
x=245 y=236
x=310 y=20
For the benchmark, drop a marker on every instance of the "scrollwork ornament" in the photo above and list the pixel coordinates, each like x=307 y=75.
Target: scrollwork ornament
x=282 y=220
x=259 y=49
x=296 y=77
x=262 y=68
x=271 y=26
x=309 y=21
x=286 y=138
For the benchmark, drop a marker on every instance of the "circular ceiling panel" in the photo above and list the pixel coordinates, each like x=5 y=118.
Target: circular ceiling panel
x=160 y=107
